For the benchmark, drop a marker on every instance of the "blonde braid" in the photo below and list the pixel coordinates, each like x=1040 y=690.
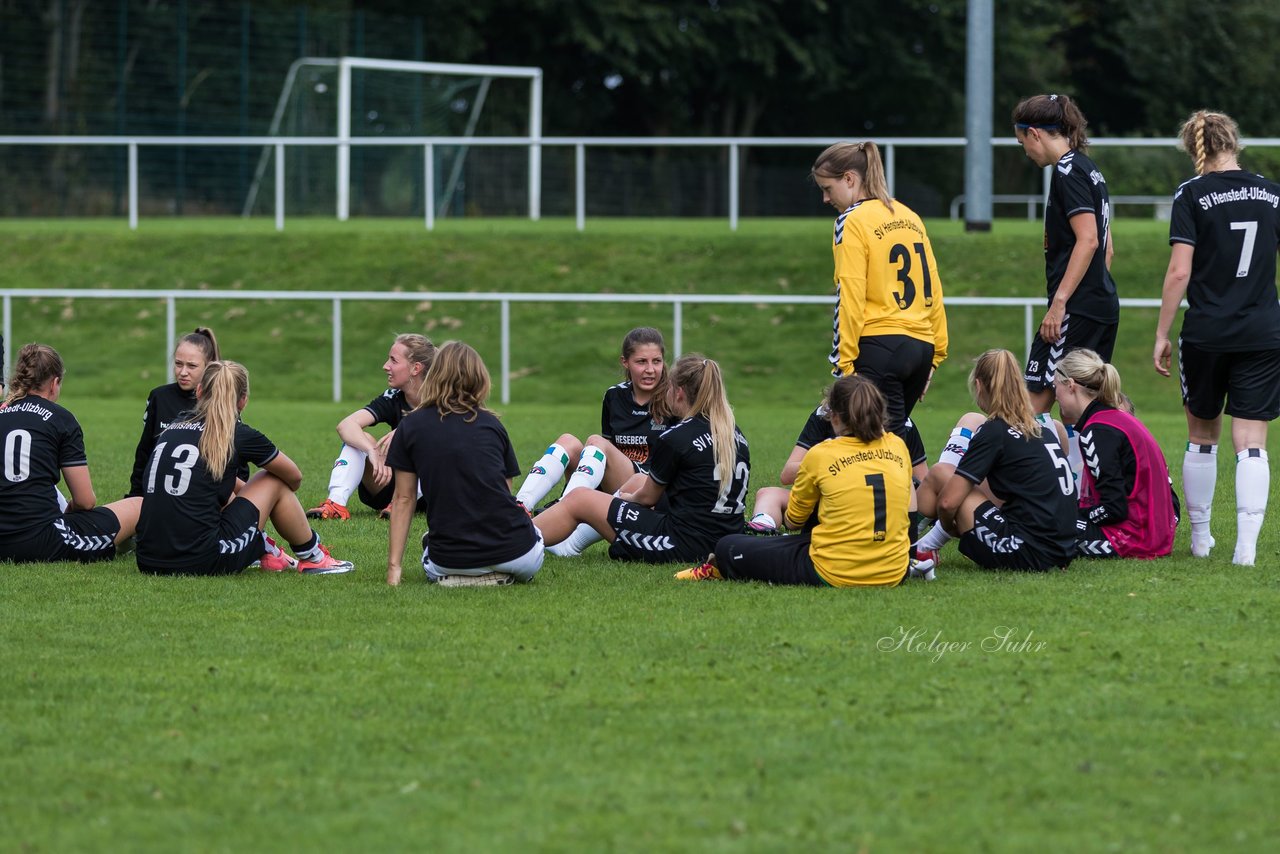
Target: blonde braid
x=1201 y=155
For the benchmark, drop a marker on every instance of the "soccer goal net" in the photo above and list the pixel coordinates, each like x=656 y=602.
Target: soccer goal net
x=406 y=133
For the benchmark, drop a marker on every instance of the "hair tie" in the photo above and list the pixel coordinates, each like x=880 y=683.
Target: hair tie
x=1053 y=97
x=704 y=363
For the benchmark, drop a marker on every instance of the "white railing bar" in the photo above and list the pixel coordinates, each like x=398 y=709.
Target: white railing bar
x=337 y=349
x=580 y=186
x=505 y=336
x=133 y=186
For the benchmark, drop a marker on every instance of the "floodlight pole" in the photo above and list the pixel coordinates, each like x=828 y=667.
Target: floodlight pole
x=978 y=98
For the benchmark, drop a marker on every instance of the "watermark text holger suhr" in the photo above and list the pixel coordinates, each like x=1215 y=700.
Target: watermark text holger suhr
x=1008 y=640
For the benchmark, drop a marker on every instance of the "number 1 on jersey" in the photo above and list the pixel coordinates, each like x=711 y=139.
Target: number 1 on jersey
x=876 y=482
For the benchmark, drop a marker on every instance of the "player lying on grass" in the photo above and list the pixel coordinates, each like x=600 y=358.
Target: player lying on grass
x=634 y=412
x=1003 y=483
x=361 y=466
x=702 y=465
x=857 y=485
x=43 y=442
x=1127 y=507
x=461 y=454
x=190 y=522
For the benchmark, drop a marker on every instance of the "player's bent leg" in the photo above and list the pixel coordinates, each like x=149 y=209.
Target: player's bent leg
x=580 y=505
x=617 y=465
x=770 y=506
x=781 y=560
x=127 y=511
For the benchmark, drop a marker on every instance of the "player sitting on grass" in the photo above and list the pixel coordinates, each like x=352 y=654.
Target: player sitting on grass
x=1003 y=483
x=702 y=465
x=633 y=413
x=858 y=485
x=191 y=524
x=461 y=455
x=362 y=464
x=42 y=441
x=1127 y=507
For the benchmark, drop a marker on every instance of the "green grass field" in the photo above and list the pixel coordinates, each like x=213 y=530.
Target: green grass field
x=1123 y=706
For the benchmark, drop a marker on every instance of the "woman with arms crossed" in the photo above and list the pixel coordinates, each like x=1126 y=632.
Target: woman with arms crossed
x=1224 y=230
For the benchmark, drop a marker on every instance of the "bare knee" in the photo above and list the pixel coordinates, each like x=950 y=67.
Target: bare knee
x=571 y=445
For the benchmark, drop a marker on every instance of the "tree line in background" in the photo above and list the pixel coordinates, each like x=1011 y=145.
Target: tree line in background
x=621 y=67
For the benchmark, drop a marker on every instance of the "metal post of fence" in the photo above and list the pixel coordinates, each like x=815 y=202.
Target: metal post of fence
x=890 y=167
x=677 y=322
x=344 y=140
x=133 y=189
x=506 y=351
x=1031 y=210
x=170 y=331
x=429 y=185
x=733 y=186
x=337 y=349
x=580 y=185
x=279 y=186
x=535 y=148
x=1027 y=318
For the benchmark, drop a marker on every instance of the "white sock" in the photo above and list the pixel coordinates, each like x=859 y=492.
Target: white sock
x=1253 y=482
x=309 y=550
x=935 y=539
x=766 y=520
x=590 y=470
x=1199 y=478
x=577 y=542
x=63 y=504
x=272 y=548
x=1073 y=452
x=545 y=474
x=957 y=446
x=348 y=471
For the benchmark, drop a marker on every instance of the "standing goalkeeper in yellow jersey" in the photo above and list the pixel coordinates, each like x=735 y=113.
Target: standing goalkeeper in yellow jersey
x=889 y=323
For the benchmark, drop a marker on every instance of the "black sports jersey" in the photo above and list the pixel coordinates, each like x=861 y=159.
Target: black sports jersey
x=181 y=502
x=164 y=405
x=389 y=408
x=816 y=429
x=463 y=469
x=1078 y=186
x=683 y=460
x=1113 y=464
x=627 y=424
x=1231 y=219
x=1032 y=477
x=39 y=439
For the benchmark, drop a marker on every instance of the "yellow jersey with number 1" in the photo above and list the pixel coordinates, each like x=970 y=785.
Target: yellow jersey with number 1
x=861 y=491
x=886 y=281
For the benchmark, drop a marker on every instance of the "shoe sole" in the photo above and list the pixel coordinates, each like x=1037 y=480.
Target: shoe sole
x=490 y=579
x=340 y=569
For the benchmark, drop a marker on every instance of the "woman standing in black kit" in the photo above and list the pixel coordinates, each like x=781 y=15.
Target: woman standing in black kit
x=1224 y=230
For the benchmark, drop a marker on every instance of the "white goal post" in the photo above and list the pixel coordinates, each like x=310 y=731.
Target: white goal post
x=532 y=74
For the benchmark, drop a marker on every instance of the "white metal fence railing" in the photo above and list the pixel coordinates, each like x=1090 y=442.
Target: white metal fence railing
x=733 y=146
x=1030 y=307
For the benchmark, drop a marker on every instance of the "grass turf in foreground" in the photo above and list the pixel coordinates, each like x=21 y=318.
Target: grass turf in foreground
x=1125 y=706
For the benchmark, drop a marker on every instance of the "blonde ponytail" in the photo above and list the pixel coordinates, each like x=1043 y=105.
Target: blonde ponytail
x=703 y=385
x=221 y=389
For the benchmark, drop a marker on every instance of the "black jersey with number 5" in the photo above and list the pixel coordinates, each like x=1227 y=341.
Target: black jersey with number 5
x=1032 y=477
x=181 y=502
x=1231 y=219
x=683 y=460
x=1077 y=188
x=39 y=438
